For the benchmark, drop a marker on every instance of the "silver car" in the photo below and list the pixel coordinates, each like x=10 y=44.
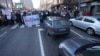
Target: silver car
x=88 y=23
x=80 y=47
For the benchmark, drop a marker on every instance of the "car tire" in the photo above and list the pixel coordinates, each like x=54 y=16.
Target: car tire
x=90 y=31
x=71 y=24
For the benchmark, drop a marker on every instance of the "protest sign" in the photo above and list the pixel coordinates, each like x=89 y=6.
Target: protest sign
x=31 y=20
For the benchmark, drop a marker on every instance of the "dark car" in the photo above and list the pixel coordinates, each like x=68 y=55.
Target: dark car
x=55 y=25
x=80 y=47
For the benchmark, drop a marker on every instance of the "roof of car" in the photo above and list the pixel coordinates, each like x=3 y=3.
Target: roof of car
x=72 y=45
x=91 y=16
x=54 y=17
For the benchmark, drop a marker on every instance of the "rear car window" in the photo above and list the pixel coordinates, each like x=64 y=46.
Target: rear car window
x=60 y=23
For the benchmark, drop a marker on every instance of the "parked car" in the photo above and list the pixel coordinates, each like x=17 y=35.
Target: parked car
x=88 y=23
x=80 y=47
x=55 y=25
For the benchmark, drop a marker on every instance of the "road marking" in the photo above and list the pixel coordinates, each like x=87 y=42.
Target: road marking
x=4 y=28
x=89 y=39
x=38 y=25
x=3 y=34
x=22 y=26
x=77 y=34
x=41 y=43
x=14 y=27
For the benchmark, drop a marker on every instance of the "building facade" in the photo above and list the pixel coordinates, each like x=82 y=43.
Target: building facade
x=6 y=3
x=46 y=4
x=27 y=4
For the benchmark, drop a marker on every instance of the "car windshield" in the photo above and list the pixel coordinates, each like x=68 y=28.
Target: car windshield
x=60 y=23
x=93 y=51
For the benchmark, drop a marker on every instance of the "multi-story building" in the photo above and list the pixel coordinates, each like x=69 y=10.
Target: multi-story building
x=27 y=4
x=46 y=4
x=92 y=6
x=6 y=3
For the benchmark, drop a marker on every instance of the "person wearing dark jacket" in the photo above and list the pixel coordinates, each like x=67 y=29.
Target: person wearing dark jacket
x=18 y=18
x=68 y=16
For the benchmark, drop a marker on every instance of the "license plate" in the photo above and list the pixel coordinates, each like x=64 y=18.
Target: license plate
x=62 y=29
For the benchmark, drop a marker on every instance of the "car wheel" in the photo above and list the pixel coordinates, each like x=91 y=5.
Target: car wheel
x=71 y=24
x=90 y=31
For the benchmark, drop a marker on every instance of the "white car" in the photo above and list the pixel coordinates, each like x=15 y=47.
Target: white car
x=88 y=23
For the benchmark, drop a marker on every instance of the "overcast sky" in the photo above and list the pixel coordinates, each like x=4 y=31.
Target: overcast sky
x=36 y=3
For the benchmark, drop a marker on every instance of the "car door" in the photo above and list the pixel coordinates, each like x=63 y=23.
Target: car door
x=78 y=22
x=87 y=22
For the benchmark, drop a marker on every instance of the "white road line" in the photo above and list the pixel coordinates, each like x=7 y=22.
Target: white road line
x=90 y=39
x=41 y=43
x=3 y=34
x=4 y=28
x=37 y=25
x=22 y=26
x=77 y=34
x=14 y=27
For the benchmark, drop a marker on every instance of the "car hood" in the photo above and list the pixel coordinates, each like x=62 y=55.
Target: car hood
x=72 y=45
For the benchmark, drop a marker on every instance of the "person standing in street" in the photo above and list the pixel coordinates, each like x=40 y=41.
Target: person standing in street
x=24 y=14
x=9 y=18
x=18 y=17
x=81 y=13
x=76 y=13
x=68 y=15
x=13 y=18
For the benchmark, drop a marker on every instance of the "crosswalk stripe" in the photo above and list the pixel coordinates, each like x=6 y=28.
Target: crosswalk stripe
x=14 y=27
x=3 y=34
x=4 y=28
x=22 y=26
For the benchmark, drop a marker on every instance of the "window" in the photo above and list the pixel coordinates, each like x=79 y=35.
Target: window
x=60 y=23
x=49 y=22
x=79 y=18
x=88 y=20
x=91 y=51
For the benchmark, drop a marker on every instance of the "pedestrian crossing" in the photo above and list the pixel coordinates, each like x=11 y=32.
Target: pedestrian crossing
x=16 y=26
x=19 y=27
x=22 y=26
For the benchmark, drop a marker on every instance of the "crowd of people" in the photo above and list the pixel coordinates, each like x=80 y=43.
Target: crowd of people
x=17 y=16
x=14 y=18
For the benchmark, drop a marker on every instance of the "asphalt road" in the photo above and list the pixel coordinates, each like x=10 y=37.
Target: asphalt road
x=33 y=41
